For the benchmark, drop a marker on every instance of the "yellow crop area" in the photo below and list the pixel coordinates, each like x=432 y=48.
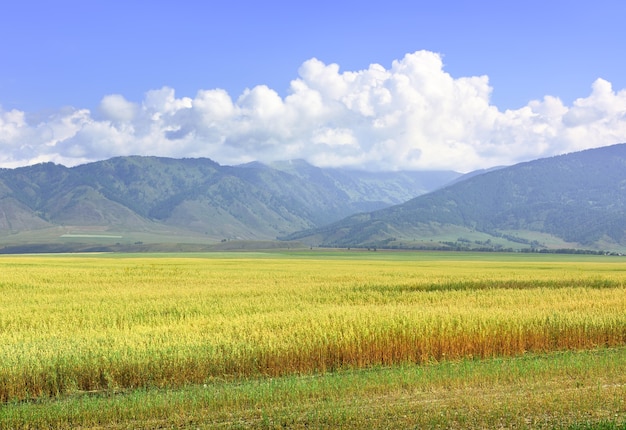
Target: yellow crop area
x=106 y=323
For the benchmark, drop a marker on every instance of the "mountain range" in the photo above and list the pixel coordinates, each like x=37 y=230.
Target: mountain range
x=572 y=201
x=136 y=200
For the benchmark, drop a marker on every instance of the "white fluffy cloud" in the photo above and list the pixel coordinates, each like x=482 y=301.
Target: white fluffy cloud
x=413 y=115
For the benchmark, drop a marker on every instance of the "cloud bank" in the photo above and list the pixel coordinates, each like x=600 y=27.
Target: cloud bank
x=411 y=116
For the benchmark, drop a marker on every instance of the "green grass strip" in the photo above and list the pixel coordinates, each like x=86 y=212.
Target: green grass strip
x=568 y=390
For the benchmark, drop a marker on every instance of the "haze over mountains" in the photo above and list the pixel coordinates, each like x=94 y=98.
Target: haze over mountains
x=576 y=200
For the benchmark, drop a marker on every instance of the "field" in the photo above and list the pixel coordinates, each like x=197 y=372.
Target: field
x=312 y=339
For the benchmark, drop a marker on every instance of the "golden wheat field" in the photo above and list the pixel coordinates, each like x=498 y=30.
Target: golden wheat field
x=113 y=323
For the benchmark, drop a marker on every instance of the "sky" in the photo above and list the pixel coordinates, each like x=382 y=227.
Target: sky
x=393 y=85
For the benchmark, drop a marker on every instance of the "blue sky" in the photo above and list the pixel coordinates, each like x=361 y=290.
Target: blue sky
x=80 y=81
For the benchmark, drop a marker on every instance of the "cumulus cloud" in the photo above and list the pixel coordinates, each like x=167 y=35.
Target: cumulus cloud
x=116 y=108
x=413 y=115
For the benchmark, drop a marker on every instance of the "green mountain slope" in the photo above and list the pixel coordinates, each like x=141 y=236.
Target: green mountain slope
x=190 y=199
x=573 y=200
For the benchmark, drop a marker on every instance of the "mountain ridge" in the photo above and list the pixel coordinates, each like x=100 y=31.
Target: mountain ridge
x=572 y=200
x=191 y=199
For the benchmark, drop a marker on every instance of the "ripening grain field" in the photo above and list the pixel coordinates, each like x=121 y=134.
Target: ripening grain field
x=76 y=330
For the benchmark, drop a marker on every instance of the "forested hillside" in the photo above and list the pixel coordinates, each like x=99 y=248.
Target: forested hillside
x=194 y=197
x=578 y=198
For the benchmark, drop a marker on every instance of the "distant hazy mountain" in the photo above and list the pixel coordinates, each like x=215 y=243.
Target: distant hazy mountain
x=576 y=200
x=194 y=197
